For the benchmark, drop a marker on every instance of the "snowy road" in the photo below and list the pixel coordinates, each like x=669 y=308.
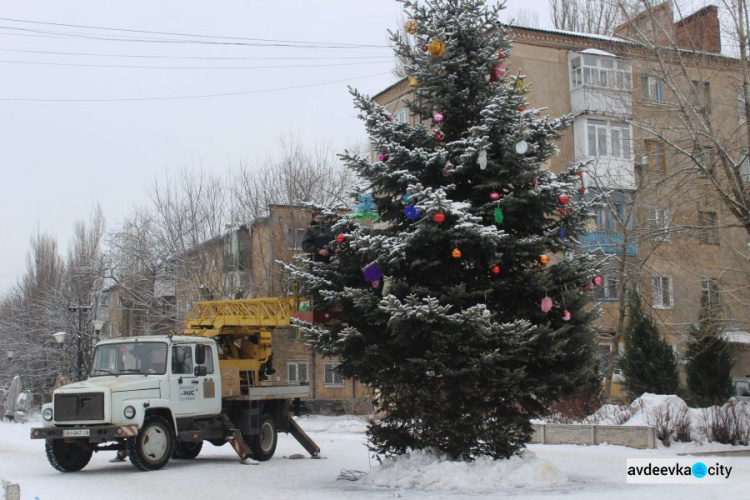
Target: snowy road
x=574 y=472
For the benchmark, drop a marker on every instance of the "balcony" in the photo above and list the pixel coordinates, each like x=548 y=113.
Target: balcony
x=608 y=242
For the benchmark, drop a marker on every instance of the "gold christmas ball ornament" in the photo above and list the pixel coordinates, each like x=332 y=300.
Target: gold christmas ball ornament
x=411 y=26
x=413 y=81
x=436 y=48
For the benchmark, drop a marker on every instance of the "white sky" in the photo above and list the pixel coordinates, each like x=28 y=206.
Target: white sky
x=58 y=159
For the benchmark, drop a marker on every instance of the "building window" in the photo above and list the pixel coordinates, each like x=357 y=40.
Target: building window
x=294 y=238
x=704 y=159
x=332 y=374
x=604 y=351
x=656 y=154
x=609 y=138
x=708 y=233
x=653 y=89
x=662 y=292
x=745 y=167
x=741 y=105
x=710 y=298
x=104 y=300
x=402 y=115
x=658 y=222
x=600 y=71
x=610 y=289
x=702 y=95
x=296 y=371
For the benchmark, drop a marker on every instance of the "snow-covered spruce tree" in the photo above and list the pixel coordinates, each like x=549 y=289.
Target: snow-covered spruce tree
x=442 y=301
x=649 y=364
x=708 y=363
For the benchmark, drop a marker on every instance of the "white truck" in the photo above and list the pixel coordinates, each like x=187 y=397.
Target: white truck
x=161 y=397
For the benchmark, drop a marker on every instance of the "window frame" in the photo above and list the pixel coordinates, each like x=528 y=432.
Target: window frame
x=330 y=367
x=610 y=283
x=658 y=285
x=708 y=232
x=613 y=135
x=702 y=95
x=653 y=89
x=616 y=373
x=296 y=365
x=600 y=71
x=710 y=288
x=293 y=238
x=656 y=157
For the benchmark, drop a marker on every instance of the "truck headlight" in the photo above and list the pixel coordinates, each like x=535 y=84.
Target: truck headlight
x=129 y=412
x=47 y=414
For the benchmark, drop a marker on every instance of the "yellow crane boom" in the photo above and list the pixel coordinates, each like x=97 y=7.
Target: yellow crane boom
x=242 y=330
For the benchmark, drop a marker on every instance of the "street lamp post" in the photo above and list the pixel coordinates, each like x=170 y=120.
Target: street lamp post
x=79 y=363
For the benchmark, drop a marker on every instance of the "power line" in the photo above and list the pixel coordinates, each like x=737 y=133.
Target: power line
x=264 y=41
x=199 y=96
x=126 y=66
x=144 y=56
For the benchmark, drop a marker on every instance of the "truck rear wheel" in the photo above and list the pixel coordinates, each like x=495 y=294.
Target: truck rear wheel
x=67 y=457
x=263 y=444
x=151 y=449
x=186 y=450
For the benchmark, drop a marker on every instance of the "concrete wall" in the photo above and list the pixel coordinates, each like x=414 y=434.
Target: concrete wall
x=631 y=436
x=11 y=491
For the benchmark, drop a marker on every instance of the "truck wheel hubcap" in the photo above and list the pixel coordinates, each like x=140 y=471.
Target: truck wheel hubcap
x=266 y=437
x=154 y=443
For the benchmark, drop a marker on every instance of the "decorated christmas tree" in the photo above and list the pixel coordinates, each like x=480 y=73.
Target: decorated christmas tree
x=464 y=306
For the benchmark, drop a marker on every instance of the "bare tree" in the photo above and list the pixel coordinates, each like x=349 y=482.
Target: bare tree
x=586 y=16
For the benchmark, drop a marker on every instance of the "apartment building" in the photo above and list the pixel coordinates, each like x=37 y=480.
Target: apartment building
x=663 y=228
x=245 y=261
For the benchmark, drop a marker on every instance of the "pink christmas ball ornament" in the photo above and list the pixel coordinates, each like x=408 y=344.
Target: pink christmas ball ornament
x=494 y=196
x=383 y=156
x=438 y=117
x=597 y=281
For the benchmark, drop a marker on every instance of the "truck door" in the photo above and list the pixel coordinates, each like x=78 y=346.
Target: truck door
x=185 y=386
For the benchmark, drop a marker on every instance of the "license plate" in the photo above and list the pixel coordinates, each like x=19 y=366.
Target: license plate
x=70 y=433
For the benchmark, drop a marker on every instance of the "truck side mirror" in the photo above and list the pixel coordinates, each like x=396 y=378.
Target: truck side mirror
x=200 y=354
x=200 y=371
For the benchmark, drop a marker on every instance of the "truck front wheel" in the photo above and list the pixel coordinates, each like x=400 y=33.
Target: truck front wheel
x=151 y=449
x=263 y=444
x=67 y=457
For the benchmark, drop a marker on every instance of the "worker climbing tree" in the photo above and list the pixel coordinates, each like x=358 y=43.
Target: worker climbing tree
x=462 y=300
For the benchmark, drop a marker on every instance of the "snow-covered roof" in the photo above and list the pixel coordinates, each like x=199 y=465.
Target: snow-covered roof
x=597 y=52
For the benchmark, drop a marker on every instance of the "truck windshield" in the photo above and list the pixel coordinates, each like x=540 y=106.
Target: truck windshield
x=129 y=358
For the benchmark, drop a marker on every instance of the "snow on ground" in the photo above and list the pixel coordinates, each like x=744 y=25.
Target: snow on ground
x=544 y=472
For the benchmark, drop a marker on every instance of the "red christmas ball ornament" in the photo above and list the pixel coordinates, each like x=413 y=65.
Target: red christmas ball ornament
x=389 y=117
x=439 y=136
x=495 y=269
x=456 y=253
x=494 y=196
x=501 y=55
x=383 y=156
x=375 y=284
x=543 y=260
x=423 y=47
x=340 y=238
x=494 y=74
x=566 y=315
x=448 y=170
x=597 y=281
x=564 y=199
x=521 y=108
x=439 y=217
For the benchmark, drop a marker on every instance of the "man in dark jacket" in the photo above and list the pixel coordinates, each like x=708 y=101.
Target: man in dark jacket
x=317 y=239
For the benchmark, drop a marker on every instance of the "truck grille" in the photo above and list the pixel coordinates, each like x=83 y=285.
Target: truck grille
x=86 y=406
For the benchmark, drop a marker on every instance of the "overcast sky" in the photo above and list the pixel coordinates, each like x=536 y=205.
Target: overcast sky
x=76 y=131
